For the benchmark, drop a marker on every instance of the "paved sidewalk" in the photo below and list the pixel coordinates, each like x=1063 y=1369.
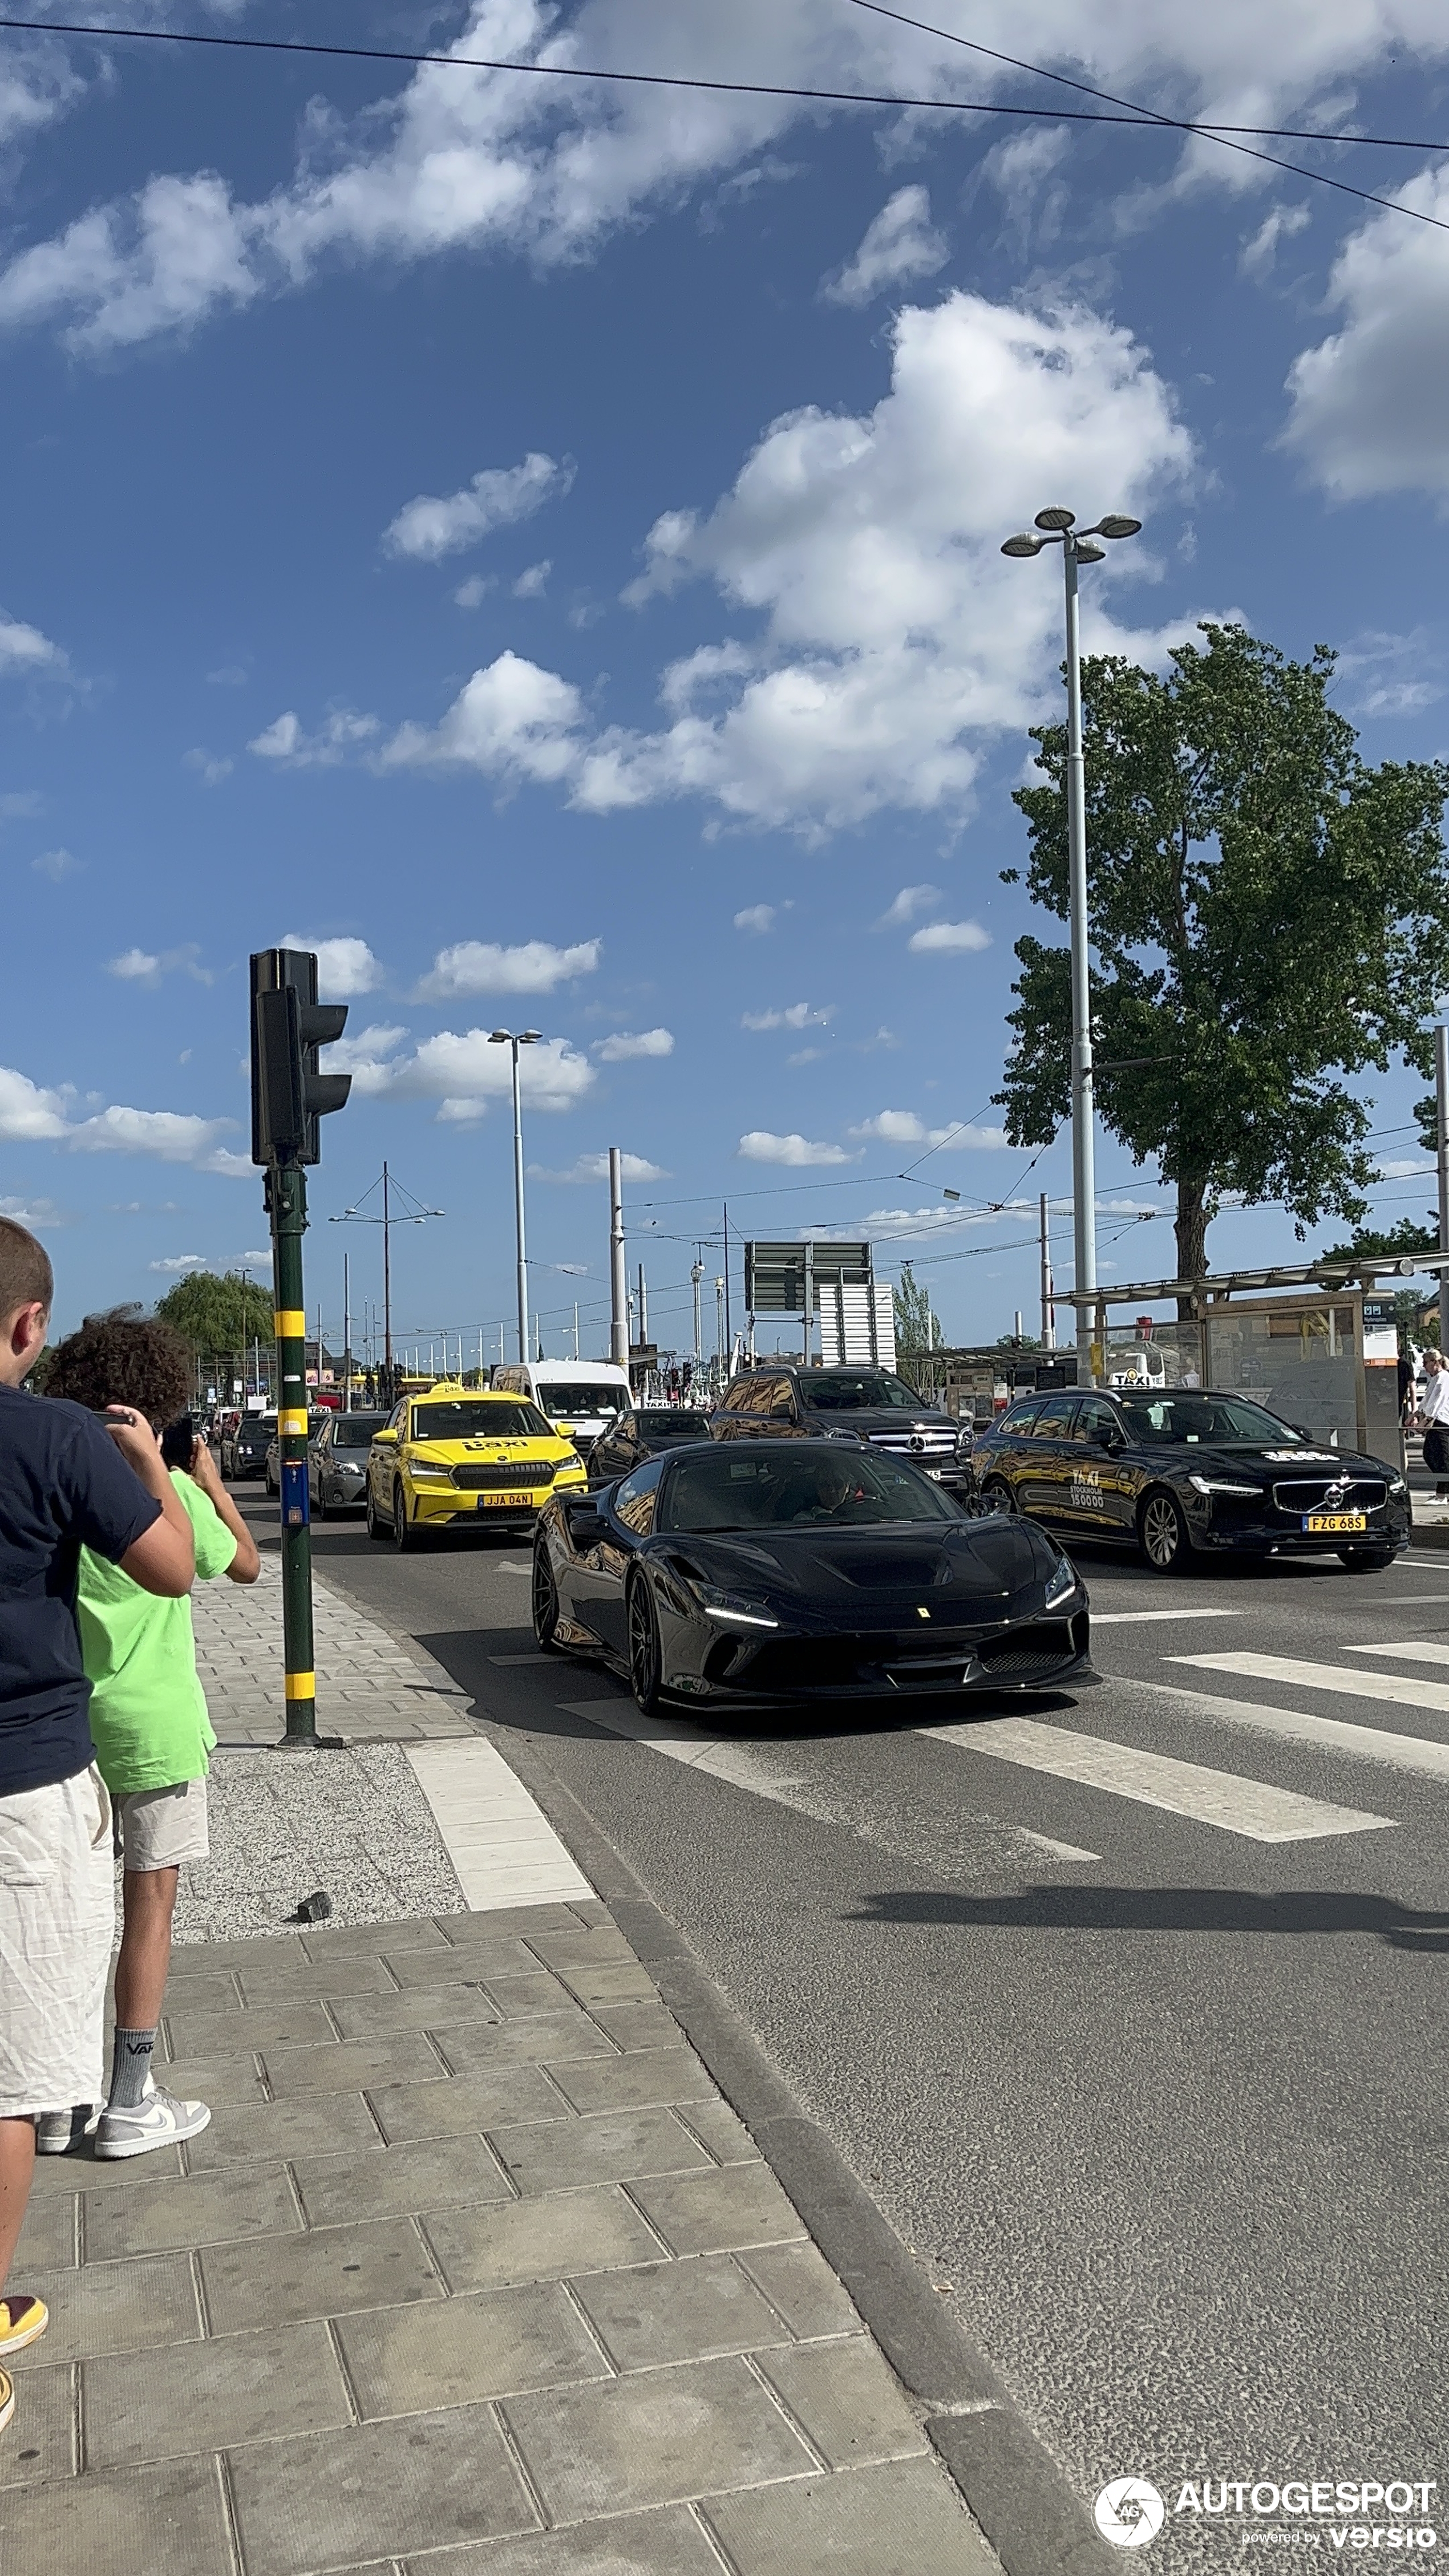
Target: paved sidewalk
x=371 y=1687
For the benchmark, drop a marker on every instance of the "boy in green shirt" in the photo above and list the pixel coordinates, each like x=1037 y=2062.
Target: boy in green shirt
x=148 y=1719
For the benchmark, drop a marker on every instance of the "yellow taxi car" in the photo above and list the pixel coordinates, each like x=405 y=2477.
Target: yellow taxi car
x=461 y=1454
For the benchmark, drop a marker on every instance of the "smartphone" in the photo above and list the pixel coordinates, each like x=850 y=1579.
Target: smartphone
x=178 y=1442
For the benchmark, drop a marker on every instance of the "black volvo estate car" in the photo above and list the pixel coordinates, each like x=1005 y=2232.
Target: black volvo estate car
x=1184 y=1469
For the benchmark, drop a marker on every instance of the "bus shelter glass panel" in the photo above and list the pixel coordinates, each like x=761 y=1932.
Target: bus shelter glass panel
x=1171 y=1355
x=1302 y=1363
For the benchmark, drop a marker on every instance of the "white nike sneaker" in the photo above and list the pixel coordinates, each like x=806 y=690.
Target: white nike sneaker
x=159 y=2120
x=56 y=2132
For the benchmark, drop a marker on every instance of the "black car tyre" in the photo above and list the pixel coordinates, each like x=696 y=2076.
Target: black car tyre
x=646 y=1661
x=545 y=1604
x=1162 y=1533
x=405 y=1537
x=1366 y=1560
x=377 y=1527
x=997 y=1496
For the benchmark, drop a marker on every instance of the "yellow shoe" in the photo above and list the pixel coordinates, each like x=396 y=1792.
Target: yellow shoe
x=7 y=2398
x=23 y=2320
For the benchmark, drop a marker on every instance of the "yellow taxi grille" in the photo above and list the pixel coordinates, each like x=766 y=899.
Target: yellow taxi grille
x=528 y=1471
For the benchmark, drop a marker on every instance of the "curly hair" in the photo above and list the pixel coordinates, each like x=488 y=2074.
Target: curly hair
x=121 y=1359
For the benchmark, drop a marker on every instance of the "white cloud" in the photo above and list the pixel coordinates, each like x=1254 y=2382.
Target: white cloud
x=284 y=742
x=760 y=1146
x=56 y=864
x=139 y=966
x=365 y=1054
x=1279 y=225
x=28 y=1113
x=210 y=767
x=511 y=721
x=595 y=1167
x=37 y=1214
x=899 y=245
x=472 y=592
x=173 y=1136
x=24 y=649
x=758 y=917
x=911 y=901
x=180 y=1263
x=1392 y=675
x=1369 y=403
x=951 y=938
x=428 y=529
x=465 y=1071
x=136 y=967
x=532 y=583
x=345 y=967
x=478 y=966
x=159 y=261
x=796 y=1015
x=623 y=1045
x=903 y=1127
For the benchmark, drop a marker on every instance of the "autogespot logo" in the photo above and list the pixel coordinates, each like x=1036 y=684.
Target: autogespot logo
x=1129 y=2512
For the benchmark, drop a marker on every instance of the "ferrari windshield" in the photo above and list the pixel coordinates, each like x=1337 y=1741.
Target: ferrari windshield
x=858 y=1391
x=1158 y=1420
x=806 y=1488
x=488 y=1420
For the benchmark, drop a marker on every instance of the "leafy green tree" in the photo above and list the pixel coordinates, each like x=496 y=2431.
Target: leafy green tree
x=220 y=1317
x=917 y=1328
x=1262 y=905
x=1369 y=1244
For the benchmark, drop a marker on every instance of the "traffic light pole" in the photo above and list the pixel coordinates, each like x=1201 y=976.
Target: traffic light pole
x=286 y=1188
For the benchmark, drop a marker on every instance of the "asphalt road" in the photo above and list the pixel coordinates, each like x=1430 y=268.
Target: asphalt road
x=1145 y=2063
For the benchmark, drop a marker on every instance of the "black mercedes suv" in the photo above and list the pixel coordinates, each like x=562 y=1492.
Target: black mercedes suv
x=859 y=1404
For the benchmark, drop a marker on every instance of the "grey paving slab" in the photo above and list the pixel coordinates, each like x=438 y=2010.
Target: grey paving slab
x=467 y=1965
x=677 y=2312
x=900 y=2520
x=648 y=2076
x=118 y=2307
x=57 y=2176
x=539 y=2240
x=39 y=2440
x=325 y=1941
x=314 y=2123
x=726 y=2137
x=465 y=2106
x=667 y=2543
x=530 y=1990
x=406 y=2361
x=609 y=1982
x=221 y=2034
x=563 y=2155
x=232 y=2081
x=433 y=2173
x=418 y=2008
x=460 y=1929
x=198 y=1989
x=217 y=1958
x=235 y=2388
x=848 y=2401
x=159 y=2217
x=274 y=2280
x=169 y=2519
x=47 y=2239
x=711 y=2212
x=375 y=2491
x=354 y=1972
x=352 y=2065
x=798 y=2281
x=514 y=2043
x=658 y=2439
x=637 y=2025
x=584 y=1948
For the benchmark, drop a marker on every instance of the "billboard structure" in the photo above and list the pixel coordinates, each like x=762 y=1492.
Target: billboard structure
x=834 y=1283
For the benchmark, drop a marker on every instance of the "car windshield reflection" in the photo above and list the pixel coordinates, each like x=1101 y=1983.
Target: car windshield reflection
x=488 y=1420
x=1159 y=1420
x=721 y=1490
x=859 y=1391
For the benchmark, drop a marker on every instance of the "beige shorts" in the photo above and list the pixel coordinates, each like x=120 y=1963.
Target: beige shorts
x=160 y=1828
x=57 y=1919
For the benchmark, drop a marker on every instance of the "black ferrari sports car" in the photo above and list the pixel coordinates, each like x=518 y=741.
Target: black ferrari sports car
x=788 y=1571
x=1177 y=1470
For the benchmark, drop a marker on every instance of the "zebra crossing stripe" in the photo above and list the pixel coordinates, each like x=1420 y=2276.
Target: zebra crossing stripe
x=1402 y=1688
x=1236 y=1806
x=1419 y=1650
x=1298 y=1726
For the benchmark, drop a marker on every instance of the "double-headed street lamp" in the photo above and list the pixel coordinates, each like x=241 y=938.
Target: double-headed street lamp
x=525 y=1037
x=1077 y=548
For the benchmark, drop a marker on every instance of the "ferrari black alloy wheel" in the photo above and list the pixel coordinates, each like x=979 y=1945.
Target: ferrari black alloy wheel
x=1162 y=1533
x=545 y=1603
x=645 y=1659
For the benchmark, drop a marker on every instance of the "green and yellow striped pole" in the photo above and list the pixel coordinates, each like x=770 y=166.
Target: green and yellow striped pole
x=287 y=1206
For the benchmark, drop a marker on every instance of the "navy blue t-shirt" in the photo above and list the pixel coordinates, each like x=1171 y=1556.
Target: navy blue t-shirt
x=64 y=1485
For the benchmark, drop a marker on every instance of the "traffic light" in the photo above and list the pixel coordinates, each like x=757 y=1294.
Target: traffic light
x=289 y=1025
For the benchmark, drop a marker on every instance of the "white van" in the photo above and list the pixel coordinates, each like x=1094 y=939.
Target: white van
x=582 y=1398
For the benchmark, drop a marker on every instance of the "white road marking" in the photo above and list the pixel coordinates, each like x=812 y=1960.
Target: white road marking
x=1399 y=1687
x=1247 y=1807
x=1417 y=1650
x=1059 y=1851
x=1334 y=1734
x=505 y=1565
x=1188 y=1610
x=499 y=1841
x=1405 y=1601
x=534 y=1658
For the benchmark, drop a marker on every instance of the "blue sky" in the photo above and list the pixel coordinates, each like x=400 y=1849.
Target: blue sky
x=538 y=542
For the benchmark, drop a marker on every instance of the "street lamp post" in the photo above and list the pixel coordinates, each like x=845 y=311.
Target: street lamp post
x=524 y=1037
x=696 y=1275
x=1059 y=526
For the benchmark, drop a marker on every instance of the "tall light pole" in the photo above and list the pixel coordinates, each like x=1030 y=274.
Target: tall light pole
x=696 y=1275
x=525 y=1037
x=1059 y=526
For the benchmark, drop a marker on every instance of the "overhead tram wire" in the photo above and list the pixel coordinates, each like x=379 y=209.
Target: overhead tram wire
x=1128 y=115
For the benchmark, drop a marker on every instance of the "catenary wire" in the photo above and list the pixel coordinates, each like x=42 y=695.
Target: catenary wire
x=776 y=89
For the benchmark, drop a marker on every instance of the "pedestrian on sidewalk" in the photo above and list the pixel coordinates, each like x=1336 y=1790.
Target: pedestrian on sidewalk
x=1433 y=1420
x=149 y=1719
x=67 y=1480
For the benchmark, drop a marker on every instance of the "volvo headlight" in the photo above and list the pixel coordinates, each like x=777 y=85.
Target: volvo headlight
x=1398 y=1484
x=731 y=1609
x=1219 y=1485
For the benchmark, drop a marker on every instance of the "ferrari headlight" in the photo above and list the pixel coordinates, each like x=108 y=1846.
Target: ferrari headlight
x=731 y=1609
x=1062 y=1582
x=1219 y=1485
